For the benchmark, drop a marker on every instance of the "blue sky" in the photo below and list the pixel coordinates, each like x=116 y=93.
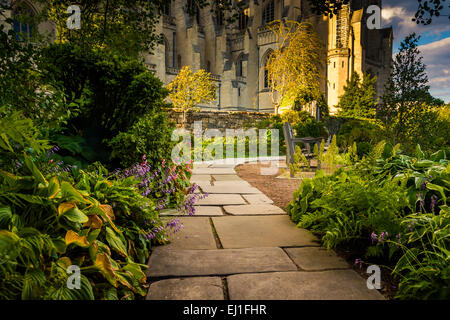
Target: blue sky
x=434 y=42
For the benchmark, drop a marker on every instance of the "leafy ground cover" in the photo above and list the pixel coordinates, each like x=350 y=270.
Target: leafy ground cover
x=53 y=216
x=390 y=209
x=74 y=118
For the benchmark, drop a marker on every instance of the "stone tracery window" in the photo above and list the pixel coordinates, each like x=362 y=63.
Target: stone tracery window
x=265 y=60
x=23 y=21
x=268 y=13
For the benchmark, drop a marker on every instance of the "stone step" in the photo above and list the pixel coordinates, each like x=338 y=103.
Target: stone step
x=229 y=189
x=214 y=171
x=300 y=285
x=231 y=184
x=316 y=258
x=200 y=178
x=257 y=199
x=195 y=234
x=173 y=263
x=226 y=177
x=220 y=200
x=253 y=210
x=261 y=231
x=195 y=288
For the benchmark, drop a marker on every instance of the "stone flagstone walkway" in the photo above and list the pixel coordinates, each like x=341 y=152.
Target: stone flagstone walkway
x=241 y=246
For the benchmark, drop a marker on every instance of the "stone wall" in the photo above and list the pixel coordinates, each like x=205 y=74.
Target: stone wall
x=218 y=119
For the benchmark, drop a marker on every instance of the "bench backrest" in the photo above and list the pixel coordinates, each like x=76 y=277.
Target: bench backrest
x=290 y=145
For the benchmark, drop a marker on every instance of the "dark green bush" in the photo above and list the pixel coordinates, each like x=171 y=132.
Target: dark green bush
x=389 y=209
x=150 y=136
x=365 y=133
x=307 y=126
x=113 y=94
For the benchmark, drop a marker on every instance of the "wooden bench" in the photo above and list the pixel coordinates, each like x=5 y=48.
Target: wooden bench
x=290 y=141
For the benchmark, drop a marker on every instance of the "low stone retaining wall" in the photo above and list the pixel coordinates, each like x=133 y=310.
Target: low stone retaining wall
x=218 y=119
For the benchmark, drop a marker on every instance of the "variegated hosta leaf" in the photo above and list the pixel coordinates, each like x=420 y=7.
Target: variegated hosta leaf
x=53 y=188
x=103 y=264
x=136 y=270
x=65 y=206
x=69 y=192
x=108 y=210
x=106 y=213
x=116 y=242
x=94 y=222
x=73 y=237
x=70 y=211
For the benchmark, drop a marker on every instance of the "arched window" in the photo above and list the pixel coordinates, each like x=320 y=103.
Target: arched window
x=265 y=60
x=194 y=10
x=268 y=13
x=166 y=8
x=167 y=52
x=266 y=78
x=23 y=21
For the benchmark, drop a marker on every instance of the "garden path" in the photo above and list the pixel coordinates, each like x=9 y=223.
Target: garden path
x=239 y=246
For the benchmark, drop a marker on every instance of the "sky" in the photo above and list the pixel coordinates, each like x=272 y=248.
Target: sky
x=434 y=44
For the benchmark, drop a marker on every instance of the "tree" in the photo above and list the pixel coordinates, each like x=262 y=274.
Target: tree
x=358 y=99
x=426 y=10
x=406 y=91
x=122 y=26
x=294 y=67
x=189 y=89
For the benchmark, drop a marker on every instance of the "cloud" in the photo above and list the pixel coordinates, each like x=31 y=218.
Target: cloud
x=434 y=37
x=437 y=59
x=399 y=15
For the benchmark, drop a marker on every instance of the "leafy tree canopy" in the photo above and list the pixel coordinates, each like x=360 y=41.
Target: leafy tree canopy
x=358 y=99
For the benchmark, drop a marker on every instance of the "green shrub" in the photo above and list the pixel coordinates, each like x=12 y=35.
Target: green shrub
x=50 y=223
x=423 y=270
x=18 y=135
x=364 y=132
x=392 y=208
x=114 y=95
x=150 y=136
x=307 y=126
x=345 y=208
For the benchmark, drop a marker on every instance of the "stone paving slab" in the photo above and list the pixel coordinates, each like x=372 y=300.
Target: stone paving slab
x=213 y=171
x=204 y=184
x=322 y=285
x=253 y=210
x=198 y=288
x=261 y=231
x=257 y=198
x=227 y=177
x=200 y=177
x=221 y=199
x=195 y=234
x=311 y=258
x=208 y=211
x=165 y=262
x=222 y=165
x=231 y=189
x=241 y=184
x=201 y=165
